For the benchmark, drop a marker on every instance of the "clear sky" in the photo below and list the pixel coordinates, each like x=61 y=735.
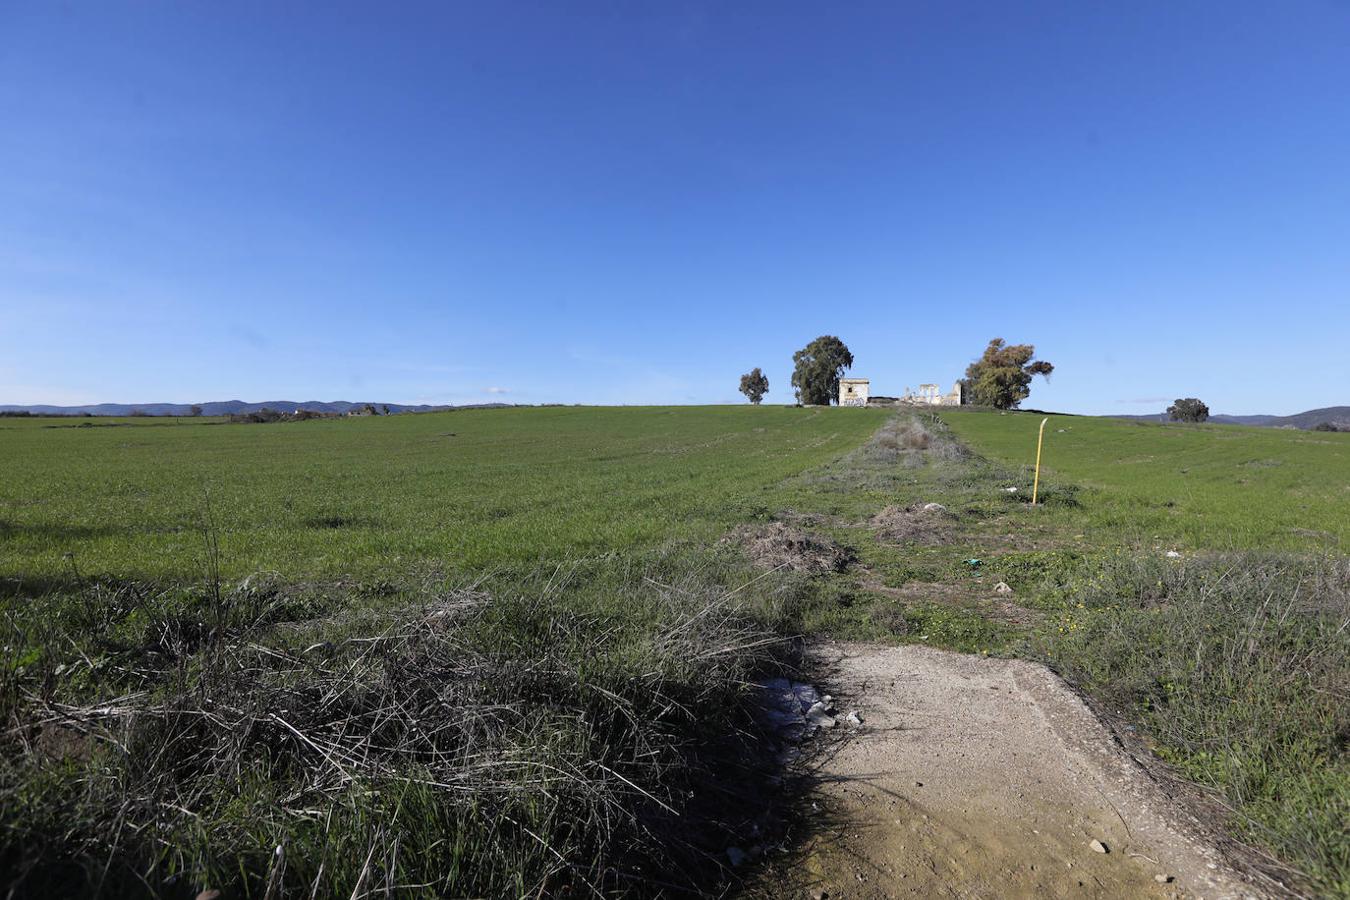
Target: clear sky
x=636 y=202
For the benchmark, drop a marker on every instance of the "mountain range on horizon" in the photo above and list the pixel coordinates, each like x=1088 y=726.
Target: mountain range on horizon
x=1336 y=415
x=223 y=407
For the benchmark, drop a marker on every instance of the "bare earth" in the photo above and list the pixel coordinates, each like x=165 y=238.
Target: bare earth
x=975 y=777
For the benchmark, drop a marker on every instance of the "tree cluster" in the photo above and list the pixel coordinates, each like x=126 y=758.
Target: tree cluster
x=817 y=368
x=1001 y=377
x=1188 y=409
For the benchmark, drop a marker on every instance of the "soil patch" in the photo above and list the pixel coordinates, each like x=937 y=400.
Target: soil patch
x=778 y=545
x=990 y=605
x=973 y=777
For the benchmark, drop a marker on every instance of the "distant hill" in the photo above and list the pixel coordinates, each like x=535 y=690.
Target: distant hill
x=1336 y=415
x=225 y=407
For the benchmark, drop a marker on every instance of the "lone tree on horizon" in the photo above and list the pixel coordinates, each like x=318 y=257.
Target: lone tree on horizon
x=1188 y=409
x=817 y=368
x=754 y=385
x=1001 y=377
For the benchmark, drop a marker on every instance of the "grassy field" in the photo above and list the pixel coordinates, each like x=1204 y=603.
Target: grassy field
x=1232 y=657
x=1217 y=487
x=357 y=638
x=462 y=492
x=492 y=653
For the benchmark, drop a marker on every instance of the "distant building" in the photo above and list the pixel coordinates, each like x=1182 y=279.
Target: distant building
x=853 y=391
x=931 y=395
x=857 y=392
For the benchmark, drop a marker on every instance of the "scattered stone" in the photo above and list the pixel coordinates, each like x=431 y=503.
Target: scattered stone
x=1163 y=879
x=1002 y=588
x=737 y=856
x=819 y=715
x=1099 y=846
x=786 y=702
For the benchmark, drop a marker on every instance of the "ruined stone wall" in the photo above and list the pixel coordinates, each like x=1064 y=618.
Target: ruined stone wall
x=931 y=395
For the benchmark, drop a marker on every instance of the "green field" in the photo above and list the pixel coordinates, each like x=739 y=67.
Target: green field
x=535 y=612
x=1217 y=487
x=461 y=492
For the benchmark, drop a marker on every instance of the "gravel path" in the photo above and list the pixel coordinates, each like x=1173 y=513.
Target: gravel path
x=975 y=777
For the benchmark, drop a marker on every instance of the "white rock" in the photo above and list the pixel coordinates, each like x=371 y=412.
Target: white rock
x=819 y=715
x=1011 y=490
x=1002 y=588
x=1172 y=554
x=853 y=719
x=1163 y=879
x=934 y=507
x=1098 y=846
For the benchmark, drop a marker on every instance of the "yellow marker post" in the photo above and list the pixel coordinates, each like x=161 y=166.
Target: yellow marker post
x=1040 y=438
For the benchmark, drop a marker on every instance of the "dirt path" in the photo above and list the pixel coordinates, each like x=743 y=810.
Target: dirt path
x=975 y=777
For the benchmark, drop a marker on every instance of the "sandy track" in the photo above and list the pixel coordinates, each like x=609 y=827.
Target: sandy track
x=977 y=777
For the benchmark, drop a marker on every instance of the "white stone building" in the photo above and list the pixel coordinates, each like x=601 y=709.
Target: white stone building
x=853 y=391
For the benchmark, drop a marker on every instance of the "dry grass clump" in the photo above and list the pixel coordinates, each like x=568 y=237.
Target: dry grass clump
x=778 y=545
x=923 y=523
x=911 y=439
x=532 y=745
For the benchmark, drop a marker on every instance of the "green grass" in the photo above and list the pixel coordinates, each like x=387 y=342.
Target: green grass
x=1233 y=658
x=462 y=492
x=492 y=653
x=1216 y=487
x=599 y=626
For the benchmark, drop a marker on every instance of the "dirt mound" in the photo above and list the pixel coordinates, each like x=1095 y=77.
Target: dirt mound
x=926 y=523
x=778 y=545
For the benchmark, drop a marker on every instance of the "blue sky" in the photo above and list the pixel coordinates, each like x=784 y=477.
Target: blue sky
x=637 y=202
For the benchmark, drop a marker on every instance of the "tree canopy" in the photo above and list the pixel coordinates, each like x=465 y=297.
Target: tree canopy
x=1188 y=409
x=754 y=385
x=817 y=368
x=1001 y=377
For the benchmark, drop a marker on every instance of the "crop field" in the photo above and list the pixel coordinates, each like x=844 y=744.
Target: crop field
x=464 y=491
x=512 y=652
x=1219 y=487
